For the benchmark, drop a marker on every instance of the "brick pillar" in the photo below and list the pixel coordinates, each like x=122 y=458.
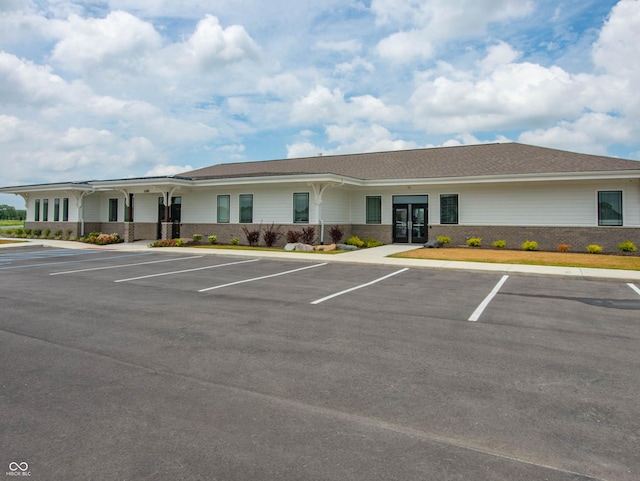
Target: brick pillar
x=129 y=231
x=167 y=230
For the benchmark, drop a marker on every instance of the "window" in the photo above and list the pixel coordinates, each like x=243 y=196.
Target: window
x=224 y=208
x=610 y=207
x=449 y=209
x=36 y=211
x=246 y=208
x=45 y=210
x=374 y=209
x=56 y=210
x=301 y=207
x=65 y=210
x=113 y=210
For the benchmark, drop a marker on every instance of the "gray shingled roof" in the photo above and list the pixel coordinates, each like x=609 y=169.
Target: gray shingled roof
x=460 y=161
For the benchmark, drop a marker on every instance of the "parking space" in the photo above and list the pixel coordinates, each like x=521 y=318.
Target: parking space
x=260 y=368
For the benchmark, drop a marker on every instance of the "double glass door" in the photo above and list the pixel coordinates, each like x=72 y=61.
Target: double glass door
x=410 y=223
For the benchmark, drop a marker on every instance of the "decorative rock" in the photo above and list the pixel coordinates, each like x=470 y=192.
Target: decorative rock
x=325 y=248
x=298 y=246
x=347 y=247
x=433 y=244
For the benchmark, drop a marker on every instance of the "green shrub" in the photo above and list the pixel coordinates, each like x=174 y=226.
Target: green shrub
x=627 y=246
x=444 y=239
x=594 y=249
x=530 y=245
x=369 y=242
x=213 y=239
x=68 y=233
x=57 y=234
x=197 y=237
x=37 y=232
x=500 y=244
x=354 y=241
x=235 y=241
x=27 y=231
x=46 y=233
x=474 y=241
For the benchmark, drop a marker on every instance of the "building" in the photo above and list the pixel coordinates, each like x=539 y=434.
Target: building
x=507 y=191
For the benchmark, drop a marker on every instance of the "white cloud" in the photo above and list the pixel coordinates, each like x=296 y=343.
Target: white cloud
x=212 y=46
x=322 y=105
x=166 y=170
x=512 y=94
x=119 y=41
x=423 y=24
x=591 y=133
x=351 y=139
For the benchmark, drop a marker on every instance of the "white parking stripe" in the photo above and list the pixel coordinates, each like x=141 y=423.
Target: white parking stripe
x=185 y=270
x=318 y=301
x=93 y=259
x=260 y=278
x=480 y=309
x=124 y=265
x=635 y=288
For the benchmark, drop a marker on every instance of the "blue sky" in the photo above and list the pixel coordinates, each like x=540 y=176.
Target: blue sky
x=103 y=89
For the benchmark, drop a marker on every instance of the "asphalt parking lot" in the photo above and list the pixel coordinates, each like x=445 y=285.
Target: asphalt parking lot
x=151 y=365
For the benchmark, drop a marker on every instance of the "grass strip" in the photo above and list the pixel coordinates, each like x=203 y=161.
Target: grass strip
x=535 y=258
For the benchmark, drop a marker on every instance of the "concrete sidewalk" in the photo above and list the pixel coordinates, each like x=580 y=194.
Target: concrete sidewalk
x=374 y=255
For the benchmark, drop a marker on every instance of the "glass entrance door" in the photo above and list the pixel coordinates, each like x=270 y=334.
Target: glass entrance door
x=418 y=224
x=401 y=223
x=410 y=223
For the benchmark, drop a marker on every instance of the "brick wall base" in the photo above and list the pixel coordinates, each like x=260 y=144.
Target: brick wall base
x=547 y=238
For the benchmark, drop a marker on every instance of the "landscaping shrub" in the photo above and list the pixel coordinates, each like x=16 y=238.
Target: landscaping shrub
x=167 y=243
x=308 y=235
x=369 y=242
x=354 y=241
x=500 y=244
x=213 y=239
x=336 y=233
x=68 y=233
x=57 y=234
x=563 y=247
x=474 y=241
x=444 y=239
x=37 y=232
x=235 y=241
x=46 y=233
x=102 y=239
x=530 y=245
x=594 y=249
x=271 y=235
x=627 y=246
x=253 y=236
x=197 y=237
x=293 y=236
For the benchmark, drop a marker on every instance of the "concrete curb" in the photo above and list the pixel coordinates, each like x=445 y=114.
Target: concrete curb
x=374 y=255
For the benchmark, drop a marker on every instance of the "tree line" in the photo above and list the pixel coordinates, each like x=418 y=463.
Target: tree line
x=8 y=212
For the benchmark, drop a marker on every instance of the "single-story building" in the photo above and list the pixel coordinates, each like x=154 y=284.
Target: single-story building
x=508 y=191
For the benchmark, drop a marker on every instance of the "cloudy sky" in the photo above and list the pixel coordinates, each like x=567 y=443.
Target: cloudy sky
x=100 y=89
